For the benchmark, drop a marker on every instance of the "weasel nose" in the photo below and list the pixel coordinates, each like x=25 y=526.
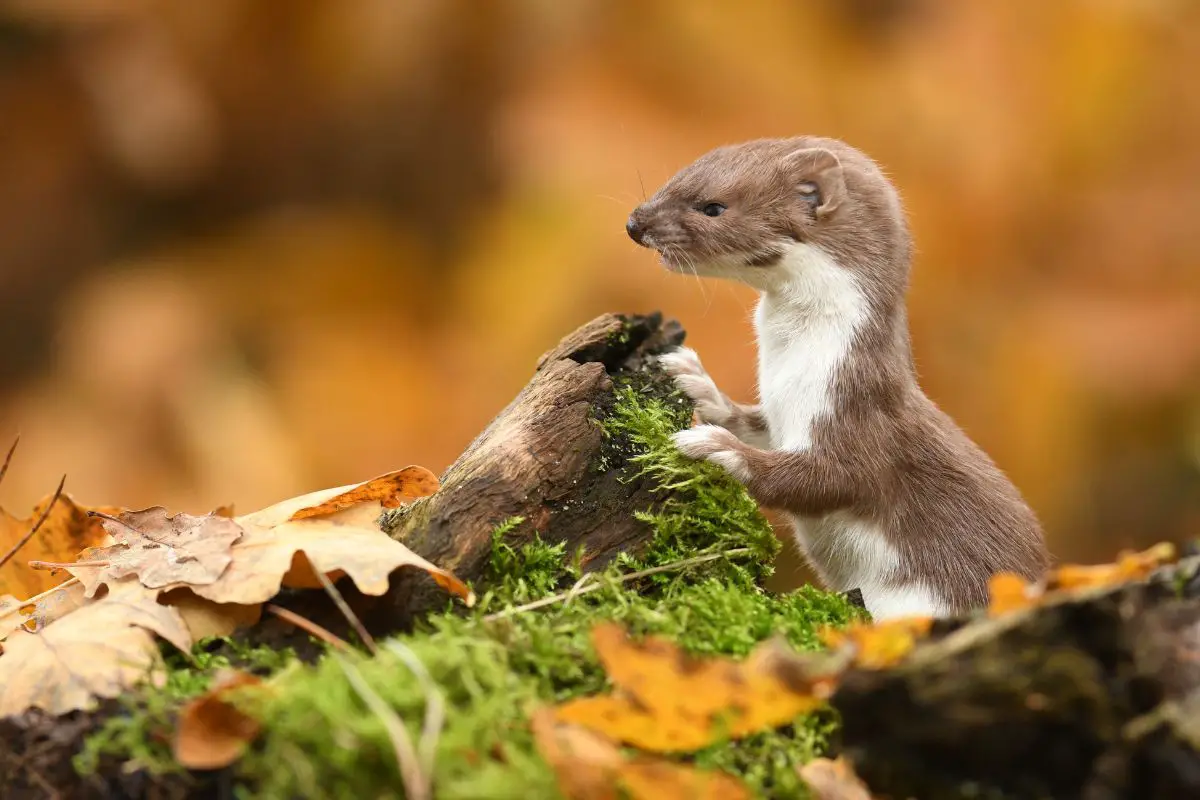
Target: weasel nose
x=633 y=229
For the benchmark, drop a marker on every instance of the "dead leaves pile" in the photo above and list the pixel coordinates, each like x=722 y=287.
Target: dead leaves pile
x=136 y=576
x=667 y=703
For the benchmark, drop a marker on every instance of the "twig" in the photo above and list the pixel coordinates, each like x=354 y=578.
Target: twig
x=344 y=607
x=38 y=597
x=68 y=564
x=435 y=704
x=45 y=513
x=8 y=458
x=416 y=783
x=632 y=576
x=305 y=624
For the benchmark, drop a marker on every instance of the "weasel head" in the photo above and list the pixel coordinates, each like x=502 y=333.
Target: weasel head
x=760 y=211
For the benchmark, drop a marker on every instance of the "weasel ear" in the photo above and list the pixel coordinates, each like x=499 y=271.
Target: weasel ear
x=821 y=167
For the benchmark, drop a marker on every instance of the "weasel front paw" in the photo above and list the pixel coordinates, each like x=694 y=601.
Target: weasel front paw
x=714 y=443
x=684 y=366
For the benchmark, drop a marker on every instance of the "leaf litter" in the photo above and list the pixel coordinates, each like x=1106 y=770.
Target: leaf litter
x=144 y=575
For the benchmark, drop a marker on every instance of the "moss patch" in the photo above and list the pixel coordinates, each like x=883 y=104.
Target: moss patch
x=140 y=735
x=492 y=671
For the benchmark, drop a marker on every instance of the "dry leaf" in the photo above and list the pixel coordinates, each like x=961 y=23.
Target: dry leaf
x=99 y=650
x=591 y=767
x=1129 y=566
x=37 y=612
x=205 y=618
x=275 y=552
x=211 y=731
x=833 y=780
x=671 y=702
x=1008 y=592
x=390 y=491
x=878 y=645
x=160 y=550
x=584 y=762
x=67 y=530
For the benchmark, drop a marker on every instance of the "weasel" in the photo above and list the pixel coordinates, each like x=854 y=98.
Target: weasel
x=885 y=492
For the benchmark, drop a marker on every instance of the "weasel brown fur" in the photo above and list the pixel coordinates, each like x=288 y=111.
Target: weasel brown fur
x=885 y=492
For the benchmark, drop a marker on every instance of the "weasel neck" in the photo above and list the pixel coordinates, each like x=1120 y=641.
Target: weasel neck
x=818 y=333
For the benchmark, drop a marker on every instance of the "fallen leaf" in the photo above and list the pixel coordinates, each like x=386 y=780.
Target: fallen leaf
x=647 y=778
x=669 y=701
x=37 y=612
x=98 y=650
x=205 y=618
x=1008 y=592
x=833 y=779
x=67 y=530
x=389 y=491
x=274 y=552
x=160 y=550
x=211 y=731
x=1129 y=566
x=878 y=645
x=589 y=766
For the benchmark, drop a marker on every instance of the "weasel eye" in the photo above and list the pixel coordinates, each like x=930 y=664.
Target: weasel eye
x=713 y=210
x=810 y=192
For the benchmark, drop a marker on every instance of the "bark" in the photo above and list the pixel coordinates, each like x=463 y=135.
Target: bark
x=541 y=458
x=1095 y=697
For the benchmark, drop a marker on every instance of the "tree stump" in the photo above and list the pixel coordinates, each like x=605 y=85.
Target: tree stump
x=543 y=457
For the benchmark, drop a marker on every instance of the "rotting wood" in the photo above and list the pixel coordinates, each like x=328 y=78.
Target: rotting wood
x=539 y=457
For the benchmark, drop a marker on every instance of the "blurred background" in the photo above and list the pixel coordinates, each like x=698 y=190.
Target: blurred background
x=251 y=249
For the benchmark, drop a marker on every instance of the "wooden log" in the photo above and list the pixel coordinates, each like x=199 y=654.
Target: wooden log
x=541 y=458
x=1096 y=696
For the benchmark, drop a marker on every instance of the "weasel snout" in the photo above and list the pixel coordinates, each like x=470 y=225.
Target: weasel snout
x=635 y=229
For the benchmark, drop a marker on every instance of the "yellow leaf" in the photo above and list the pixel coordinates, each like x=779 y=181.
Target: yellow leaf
x=1129 y=566
x=669 y=701
x=590 y=766
x=1009 y=592
x=390 y=491
x=67 y=530
x=878 y=645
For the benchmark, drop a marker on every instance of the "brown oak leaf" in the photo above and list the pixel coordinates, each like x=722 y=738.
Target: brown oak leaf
x=98 y=650
x=390 y=491
x=205 y=618
x=275 y=551
x=160 y=550
x=211 y=731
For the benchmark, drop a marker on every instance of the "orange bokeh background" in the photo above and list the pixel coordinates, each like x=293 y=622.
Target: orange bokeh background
x=248 y=249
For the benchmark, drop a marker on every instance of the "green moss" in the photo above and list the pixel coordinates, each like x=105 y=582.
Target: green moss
x=494 y=665
x=705 y=510
x=140 y=735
